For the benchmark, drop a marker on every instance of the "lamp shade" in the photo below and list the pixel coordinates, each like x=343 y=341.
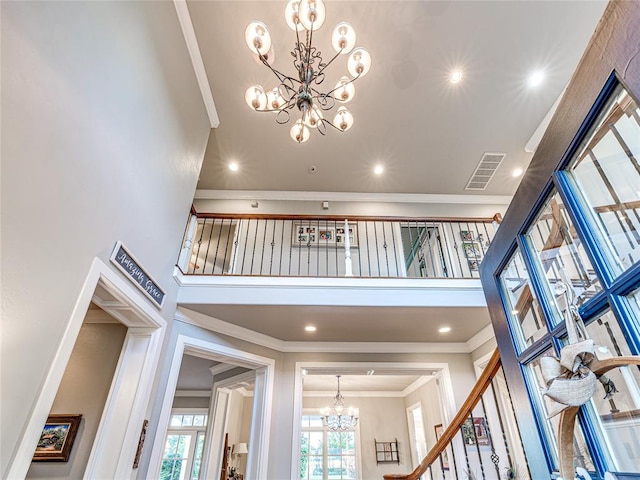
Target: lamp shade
x=359 y=62
x=299 y=132
x=343 y=38
x=291 y=15
x=344 y=91
x=256 y=98
x=258 y=38
x=343 y=119
x=240 y=449
x=312 y=14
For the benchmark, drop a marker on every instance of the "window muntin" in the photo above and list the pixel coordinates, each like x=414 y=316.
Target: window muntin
x=326 y=455
x=617 y=418
x=525 y=316
x=546 y=407
x=184 y=444
x=606 y=171
x=560 y=254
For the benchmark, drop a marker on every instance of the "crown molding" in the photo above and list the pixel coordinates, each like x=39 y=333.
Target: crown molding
x=219 y=326
x=196 y=60
x=351 y=197
x=480 y=338
x=193 y=393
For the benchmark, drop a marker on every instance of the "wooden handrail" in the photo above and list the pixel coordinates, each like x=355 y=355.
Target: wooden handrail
x=454 y=427
x=339 y=218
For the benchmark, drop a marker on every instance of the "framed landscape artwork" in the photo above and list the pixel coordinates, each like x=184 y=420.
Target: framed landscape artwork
x=57 y=437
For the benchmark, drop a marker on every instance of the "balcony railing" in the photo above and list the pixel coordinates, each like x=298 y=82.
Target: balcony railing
x=331 y=246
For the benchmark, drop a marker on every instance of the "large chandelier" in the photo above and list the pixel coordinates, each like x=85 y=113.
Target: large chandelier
x=301 y=90
x=336 y=418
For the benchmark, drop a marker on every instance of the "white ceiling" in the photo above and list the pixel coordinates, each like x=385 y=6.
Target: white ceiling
x=352 y=324
x=428 y=133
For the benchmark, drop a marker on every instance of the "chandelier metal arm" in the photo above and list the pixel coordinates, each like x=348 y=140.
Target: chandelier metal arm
x=330 y=62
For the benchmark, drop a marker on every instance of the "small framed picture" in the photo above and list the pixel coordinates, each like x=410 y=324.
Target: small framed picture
x=57 y=438
x=472 y=250
x=467 y=235
x=474 y=265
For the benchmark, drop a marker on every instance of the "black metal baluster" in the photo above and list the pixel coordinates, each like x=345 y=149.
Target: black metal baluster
x=475 y=437
x=495 y=458
x=236 y=242
x=318 y=249
x=443 y=263
x=429 y=233
x=273 y=244
x=453 y=459
x=255 y=242
x=264 y=243
x=422 y=259
x=246 y=239
x=466 y=453
x=309 y=249
x=195 y=264
x=291 y=244
x=301 y=228
x=357 y=237
x=366 y=234
x=384 y=245
x=215 y=257
x=504 y=437
x=281 y=247
x=395 y=249
x=375 y=233
x=455 y=247
x=412 y=251
x=226 y=246
x=335 y=229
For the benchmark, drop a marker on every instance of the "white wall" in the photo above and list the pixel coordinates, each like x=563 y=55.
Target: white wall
x=84 y=390
x=382 y=419
x=103 y=135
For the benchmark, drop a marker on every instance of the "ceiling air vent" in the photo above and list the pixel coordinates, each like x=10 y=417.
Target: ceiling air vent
x=485 y=170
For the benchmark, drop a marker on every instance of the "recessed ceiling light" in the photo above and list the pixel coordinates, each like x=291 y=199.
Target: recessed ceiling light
x=378 y=169
x=444 y=329
x=456 y=76
x=517 y=172
x=310 y=328
x=536 y=78
x=233 y=166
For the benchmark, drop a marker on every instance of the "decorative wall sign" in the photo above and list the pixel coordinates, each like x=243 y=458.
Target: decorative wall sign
x=476 y=432
x=128 y=265
x=57 y=438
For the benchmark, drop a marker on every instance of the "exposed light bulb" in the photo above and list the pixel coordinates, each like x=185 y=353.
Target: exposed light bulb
x=456 y=76
x=536 y=78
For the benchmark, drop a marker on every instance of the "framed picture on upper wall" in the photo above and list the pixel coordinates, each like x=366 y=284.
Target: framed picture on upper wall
x=467 y=235
x=57 y=437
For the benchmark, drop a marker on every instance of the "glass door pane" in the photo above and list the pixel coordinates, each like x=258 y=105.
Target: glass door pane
x=176 y=457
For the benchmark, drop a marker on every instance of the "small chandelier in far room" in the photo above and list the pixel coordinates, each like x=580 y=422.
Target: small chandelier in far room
x=339 y=418
x=301 y=89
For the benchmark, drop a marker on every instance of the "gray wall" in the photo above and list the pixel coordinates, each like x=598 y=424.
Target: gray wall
x=84 y=389
x=103 y=135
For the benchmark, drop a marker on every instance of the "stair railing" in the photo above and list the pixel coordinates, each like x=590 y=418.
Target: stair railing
x=478 y=441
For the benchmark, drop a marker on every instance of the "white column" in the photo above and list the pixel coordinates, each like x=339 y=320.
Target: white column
x=185 y=253
x=347 y=251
